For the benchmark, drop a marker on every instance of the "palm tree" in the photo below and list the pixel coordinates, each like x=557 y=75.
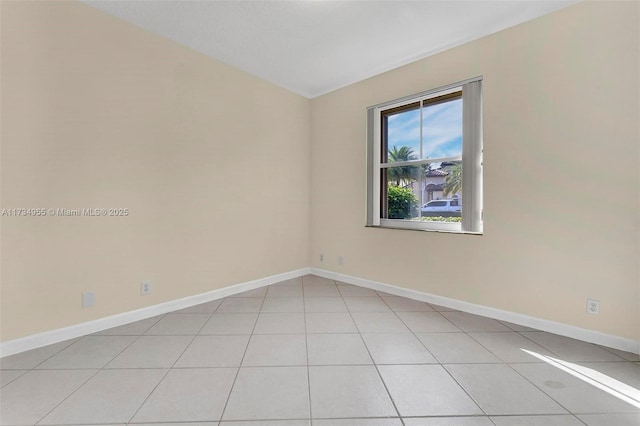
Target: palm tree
x=403 y=173
x=453 y=181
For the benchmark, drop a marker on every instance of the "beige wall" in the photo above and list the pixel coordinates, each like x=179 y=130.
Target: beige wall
x=99 y=113
x=561 y=179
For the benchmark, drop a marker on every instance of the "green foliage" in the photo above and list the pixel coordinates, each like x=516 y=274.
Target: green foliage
x=405 y=173
x=442 y=218
x=453 y=181
x=401 y=202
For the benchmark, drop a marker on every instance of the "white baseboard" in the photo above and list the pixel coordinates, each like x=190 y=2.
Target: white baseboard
x=54 y=336
x=604 y=339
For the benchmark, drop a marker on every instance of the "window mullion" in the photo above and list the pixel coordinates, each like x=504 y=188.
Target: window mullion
x=421 y=111
x=418 y=162
x=420 y=174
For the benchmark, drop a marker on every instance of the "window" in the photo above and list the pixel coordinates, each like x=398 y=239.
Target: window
x=424 y=156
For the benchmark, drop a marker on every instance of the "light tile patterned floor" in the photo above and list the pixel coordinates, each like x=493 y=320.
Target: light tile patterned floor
x=311 y=351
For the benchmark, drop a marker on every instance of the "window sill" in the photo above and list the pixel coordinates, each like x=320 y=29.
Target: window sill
x=448 y=228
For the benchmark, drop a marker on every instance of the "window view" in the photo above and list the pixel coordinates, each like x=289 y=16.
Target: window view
x=422 y=161
x=423 y=131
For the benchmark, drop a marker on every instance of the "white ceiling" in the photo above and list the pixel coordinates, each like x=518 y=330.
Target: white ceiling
x=314 y=47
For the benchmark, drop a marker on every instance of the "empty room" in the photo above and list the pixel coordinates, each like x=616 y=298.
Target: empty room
x=320 y=213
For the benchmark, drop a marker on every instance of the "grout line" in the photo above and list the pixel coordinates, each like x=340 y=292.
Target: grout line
x=98 y=370
x=536 y=415
x=610 y=350
x=504 y=361
x=226 y=402
x=536 y=343
x=375 y=365
x=434 y=357
x=23 y=372
x=69 y=395
x=306 y=343
x=413 y=333
x=537 y=387
x=296 y=365
x=176 y=360
x=464 y=389
x=77 y=339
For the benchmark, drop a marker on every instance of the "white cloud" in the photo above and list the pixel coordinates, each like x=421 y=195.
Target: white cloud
x=441 y=132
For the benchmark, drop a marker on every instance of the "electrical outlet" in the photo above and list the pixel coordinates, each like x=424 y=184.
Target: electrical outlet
x=88 y=299
x=340 y=260
x=145 y=287
x=593 y=306
x=321 y=257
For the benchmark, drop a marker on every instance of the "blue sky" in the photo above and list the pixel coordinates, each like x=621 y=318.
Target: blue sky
x=442 y=130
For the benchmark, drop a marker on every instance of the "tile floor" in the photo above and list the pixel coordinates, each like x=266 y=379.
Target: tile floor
x=311 y=351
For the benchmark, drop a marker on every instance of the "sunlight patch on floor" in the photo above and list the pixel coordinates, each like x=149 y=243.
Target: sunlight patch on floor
x=608 y=384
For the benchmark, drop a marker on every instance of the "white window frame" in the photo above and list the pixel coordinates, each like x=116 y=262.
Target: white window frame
x=471 y=222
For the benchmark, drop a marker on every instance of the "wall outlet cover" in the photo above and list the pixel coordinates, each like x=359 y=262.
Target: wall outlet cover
x=593 y=306
x=88 y=299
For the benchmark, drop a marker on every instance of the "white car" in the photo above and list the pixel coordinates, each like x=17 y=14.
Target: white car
x=444 y=207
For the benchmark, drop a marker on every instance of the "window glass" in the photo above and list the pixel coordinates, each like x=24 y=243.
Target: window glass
x=401 y=192
x=403 y=135
x=442 y=129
